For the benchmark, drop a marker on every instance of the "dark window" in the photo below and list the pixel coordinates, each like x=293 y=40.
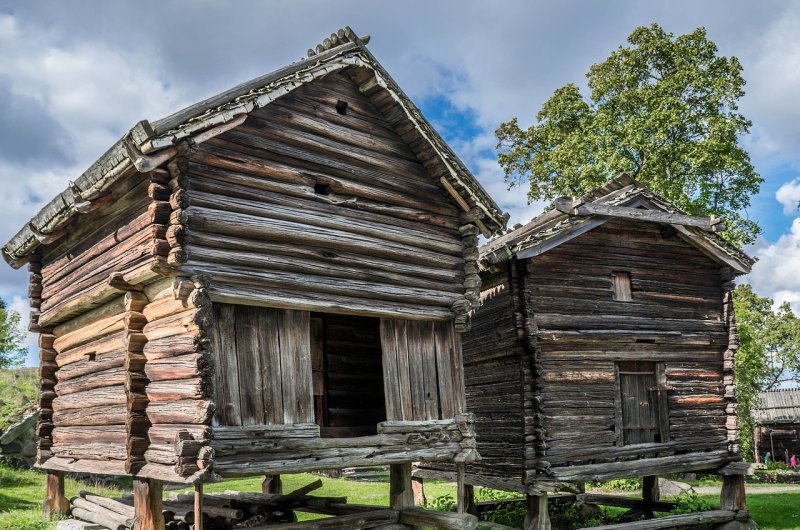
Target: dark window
x=642 y=408
x=621 y=283
x=341 y=107
x=347 y=370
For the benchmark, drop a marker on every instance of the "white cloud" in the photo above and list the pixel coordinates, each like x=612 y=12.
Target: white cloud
x=777 y=272
x=789 y=196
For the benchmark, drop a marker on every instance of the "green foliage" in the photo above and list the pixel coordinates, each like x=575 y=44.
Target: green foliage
x=690 y=503
x=768 y=354
x=12 y=338
x=620 y=484
x=17 y=394
x=442 y=503
x=509 y=514
x=664 y=110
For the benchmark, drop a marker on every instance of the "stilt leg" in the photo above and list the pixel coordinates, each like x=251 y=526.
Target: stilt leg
x=418 y=486
x=650 y=493
x=469 y=500
x=537 y=518
x=198 y=506
x=401 y=494
x=272 y=484
x=147 y=504
x=55 y=503
x=732 y=497
x=461 y=495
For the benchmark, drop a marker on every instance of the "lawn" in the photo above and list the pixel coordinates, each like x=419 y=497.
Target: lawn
x=21 y=495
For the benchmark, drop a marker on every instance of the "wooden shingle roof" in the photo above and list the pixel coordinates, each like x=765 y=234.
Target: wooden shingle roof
x=554 y=227
x=778 y=406
x=149 y=144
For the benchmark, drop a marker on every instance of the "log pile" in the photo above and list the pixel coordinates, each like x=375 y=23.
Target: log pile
x=234 y=509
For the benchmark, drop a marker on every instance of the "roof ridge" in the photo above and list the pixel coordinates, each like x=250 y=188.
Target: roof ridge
x=338 y=38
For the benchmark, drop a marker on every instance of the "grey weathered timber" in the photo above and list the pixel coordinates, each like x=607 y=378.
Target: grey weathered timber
x=673 y=521
x=602 y=347
x=709 y=224
x=537 y=517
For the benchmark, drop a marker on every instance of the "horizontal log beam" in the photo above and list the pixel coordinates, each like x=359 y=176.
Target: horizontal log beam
x=707 y=223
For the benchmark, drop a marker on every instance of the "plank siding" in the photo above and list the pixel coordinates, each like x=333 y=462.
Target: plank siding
x=264 y=375
x=299 y=209
x=410 y=349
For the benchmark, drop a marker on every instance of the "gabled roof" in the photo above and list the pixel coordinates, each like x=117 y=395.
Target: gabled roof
x=778 y=406
x=149 y=144
x=553 y=227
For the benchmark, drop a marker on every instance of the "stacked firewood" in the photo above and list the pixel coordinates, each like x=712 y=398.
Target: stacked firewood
x=235 y=509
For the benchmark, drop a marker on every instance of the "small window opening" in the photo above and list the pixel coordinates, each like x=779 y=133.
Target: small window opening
x=91 y=356
x=322 y=189
x=341 y=107
x=621 y=283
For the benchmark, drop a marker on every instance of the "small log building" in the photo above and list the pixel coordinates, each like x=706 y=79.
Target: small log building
x=603 y=347
x=273 y=280
x=777 y=430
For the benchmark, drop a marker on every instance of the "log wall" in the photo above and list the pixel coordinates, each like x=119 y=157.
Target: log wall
x=90 y=328
x=675 y=317
x=305 y=207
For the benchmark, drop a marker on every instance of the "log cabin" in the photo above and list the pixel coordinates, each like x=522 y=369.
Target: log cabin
x=603 y=348
x=777 y=429
x=272 y=280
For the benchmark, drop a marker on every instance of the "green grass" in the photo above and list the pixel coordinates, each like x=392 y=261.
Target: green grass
x=17 y=394
x=21 y=494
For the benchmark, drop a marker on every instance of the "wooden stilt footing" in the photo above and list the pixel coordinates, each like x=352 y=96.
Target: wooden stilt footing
x=732 y=497
x=537 y=517
x=147 y=504
x=55 y=503
x=198 y=506
x=461 y=495
x=401 y=494
x=470 y=506
x=272 y=484
x=418 y=486
x=650 y=494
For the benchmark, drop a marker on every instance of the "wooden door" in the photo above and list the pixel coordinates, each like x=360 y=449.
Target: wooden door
x=637 y=383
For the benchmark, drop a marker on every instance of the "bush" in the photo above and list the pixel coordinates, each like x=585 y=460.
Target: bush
x=622 y=484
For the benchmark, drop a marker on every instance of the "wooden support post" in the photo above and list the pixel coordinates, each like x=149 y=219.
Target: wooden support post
x=418 y=486
x=537 y=518
x=401 y=494
x=650 y=494
x=470 y=505
x=461 y=495
x=198 y=506
x=147 y=504
x=732 y=496
x=272 y=484
x=55 y=503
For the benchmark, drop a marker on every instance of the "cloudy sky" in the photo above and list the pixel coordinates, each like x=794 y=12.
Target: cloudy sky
x=74 y=76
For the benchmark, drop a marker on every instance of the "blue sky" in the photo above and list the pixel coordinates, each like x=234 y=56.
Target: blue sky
x=75 y=76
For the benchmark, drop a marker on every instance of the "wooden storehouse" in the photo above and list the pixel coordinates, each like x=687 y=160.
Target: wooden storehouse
x=603 y=347
x=273 y=280
x=777 y=430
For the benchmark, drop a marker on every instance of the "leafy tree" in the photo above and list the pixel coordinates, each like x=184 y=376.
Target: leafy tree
x=12 y=338
x=664 y=110
x=768 y=354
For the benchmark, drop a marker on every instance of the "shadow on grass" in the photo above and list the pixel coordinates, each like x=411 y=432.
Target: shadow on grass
x=10 y=502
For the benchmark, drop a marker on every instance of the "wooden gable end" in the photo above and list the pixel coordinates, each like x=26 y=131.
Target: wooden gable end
x=316 y=203
x=671 y=319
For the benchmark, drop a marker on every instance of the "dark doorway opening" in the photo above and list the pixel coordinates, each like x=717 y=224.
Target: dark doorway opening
x=346 y=355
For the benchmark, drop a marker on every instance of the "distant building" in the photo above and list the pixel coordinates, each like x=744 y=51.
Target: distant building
x=777 y=424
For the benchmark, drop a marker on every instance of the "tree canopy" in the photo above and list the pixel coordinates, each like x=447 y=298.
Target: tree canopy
x=664 y=110
x=12 y=338
x=768 y=354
